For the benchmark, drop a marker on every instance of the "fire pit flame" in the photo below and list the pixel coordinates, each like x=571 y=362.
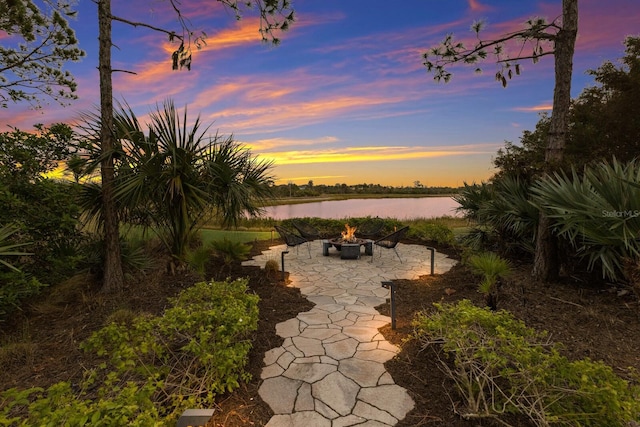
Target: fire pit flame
x=349 y=236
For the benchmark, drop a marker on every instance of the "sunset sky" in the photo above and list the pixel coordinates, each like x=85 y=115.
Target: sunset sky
x=345 y=97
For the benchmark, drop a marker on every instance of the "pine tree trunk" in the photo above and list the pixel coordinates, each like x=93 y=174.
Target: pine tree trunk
x=546 y=265
x=113 y=275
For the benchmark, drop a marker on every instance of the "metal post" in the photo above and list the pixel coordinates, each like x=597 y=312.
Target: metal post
x=282 y=257
x=392 y=287
x=433 y=255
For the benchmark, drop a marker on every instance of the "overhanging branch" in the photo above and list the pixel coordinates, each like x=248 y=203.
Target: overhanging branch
x=145 y=25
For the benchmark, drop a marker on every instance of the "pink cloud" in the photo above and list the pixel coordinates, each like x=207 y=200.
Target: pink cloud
x=269 y=103
x=603 y=27
x=476 y=6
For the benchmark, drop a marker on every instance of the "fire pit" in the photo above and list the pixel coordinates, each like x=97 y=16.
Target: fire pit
x=348 y=244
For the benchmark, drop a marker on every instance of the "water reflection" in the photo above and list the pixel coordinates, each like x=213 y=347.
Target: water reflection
x=409 y=208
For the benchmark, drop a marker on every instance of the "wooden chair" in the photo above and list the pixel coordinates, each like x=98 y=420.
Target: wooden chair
x=391 y=241
x=292 y=239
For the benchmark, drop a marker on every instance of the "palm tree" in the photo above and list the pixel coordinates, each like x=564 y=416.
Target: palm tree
x=173 y=178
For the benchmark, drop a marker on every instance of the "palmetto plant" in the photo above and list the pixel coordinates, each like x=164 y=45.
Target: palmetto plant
x=471 y=198
x=492 y=268
x=598 y=212
x=502 y=211
x=230 y=251
x=511 y=214
x=172 y=177
x=7 y=248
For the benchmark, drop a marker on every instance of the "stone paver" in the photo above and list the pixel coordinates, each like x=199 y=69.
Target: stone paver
x=329 y=370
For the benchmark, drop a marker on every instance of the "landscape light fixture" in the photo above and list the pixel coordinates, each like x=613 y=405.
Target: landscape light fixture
x=392 y=287
x=433 y=255
x=282 y=257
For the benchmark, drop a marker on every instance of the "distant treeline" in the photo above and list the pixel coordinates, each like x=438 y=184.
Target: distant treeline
x=312 y=190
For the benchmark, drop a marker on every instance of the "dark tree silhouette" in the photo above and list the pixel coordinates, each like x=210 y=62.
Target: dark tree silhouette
x=32 y=58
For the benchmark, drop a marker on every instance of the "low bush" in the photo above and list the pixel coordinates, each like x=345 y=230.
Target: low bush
x=492 y=268
x=134 y=253
x=231 y=251
x=432 y=232
x=62 y=405
x=435 y=230
x=326 y=227
x=504 y=216
x=15 y=288
x=154 y=367
x=47 y=216
x=197 y=258
x=501 y=366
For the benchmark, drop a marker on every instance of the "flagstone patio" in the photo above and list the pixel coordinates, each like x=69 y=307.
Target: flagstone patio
x=330 y=370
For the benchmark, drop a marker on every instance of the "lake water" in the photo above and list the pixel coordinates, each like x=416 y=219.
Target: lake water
x=400 y=208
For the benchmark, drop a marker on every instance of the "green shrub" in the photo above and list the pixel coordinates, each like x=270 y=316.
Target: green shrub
x=134 y=254
x=471 y=198
x=503 y=213
x=477 y=238
x=60 y=405
x=231 y=251
x=199 y=345
x=432 y=231
x=501 y=366
x=197 y=259
x=597 y=211
x=155 y=367
x=15 y=288
x=122 y=316
x=492 y=268
x=8 y=248
x=46 y=214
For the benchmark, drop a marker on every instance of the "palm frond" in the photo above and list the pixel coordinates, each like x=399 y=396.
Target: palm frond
x=8 y=248
x=598 y=212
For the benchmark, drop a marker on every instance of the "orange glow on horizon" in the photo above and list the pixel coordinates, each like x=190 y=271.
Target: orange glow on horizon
x=372 y=154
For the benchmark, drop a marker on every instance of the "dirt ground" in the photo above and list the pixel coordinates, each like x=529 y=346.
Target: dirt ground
x=591 y=319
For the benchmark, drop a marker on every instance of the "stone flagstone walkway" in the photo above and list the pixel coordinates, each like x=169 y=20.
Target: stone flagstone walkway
x=330 y=369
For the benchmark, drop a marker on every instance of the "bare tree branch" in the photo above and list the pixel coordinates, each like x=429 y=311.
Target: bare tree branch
x=537 y=34
x=144 y=24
